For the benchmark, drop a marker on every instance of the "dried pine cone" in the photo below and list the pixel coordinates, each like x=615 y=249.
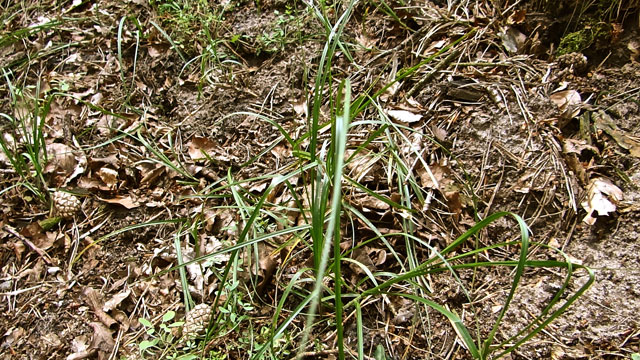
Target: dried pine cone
x=65 y=205
x=575 y=62
x=196 y=321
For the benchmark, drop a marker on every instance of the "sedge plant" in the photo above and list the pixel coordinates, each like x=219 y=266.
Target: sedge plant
x=320 y=166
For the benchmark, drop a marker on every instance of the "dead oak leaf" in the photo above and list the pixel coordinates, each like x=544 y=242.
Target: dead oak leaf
x=125 y=201
x=602 y=197
x=567 y=101
x=200 y=148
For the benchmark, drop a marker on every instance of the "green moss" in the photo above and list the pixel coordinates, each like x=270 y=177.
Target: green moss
x=575 y=42
x=592 y=33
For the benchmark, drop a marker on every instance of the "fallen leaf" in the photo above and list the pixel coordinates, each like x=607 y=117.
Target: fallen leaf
x=605 y=123
x=94 y=299
x=602 y=196
x=125 y=201
x=200 y=148
x=404 y=116
x=512 y=39
x=116 y=300
x=568 y=101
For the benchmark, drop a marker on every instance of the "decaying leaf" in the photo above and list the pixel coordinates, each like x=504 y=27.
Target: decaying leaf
x=568 y=101
x=116 y=300
x=605 y=123
x=602 y=197
x=94 y=299
x=512 y=39
x=200 y=148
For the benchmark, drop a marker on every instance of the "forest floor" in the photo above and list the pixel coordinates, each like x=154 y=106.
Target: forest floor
x=196 y=130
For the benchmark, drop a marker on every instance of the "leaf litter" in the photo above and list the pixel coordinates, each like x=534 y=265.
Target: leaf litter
x=527 y=151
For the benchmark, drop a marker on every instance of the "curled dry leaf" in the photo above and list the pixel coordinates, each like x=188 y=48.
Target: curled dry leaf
x=404 y=116
x=568 y=101
x=602 y=197
x=116 y=300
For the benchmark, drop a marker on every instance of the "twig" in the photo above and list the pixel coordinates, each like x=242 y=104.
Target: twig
x=11 y=230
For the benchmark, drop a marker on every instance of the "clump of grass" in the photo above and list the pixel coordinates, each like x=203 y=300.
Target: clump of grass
x=23 y=141
x=320 y=202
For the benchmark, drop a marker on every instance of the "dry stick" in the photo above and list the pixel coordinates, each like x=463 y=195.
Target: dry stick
x=439 y=67
x=10 y=229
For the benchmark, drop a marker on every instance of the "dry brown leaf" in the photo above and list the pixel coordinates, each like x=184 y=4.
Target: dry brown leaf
x=602 y=197
x=94 y=299
x=404 y=116
x=199 y=146
x=125 y=201
x=116 y=300
x=568 y=101
x=605 y=123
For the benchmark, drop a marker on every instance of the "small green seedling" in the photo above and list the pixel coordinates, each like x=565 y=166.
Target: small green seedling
x=161 y=337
